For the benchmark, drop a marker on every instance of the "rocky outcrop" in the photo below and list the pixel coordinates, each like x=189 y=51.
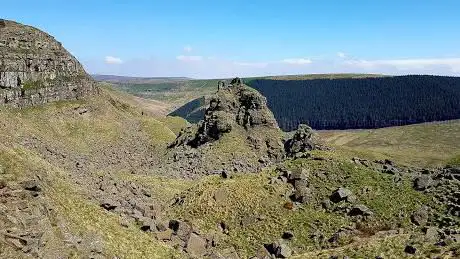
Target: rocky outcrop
x=302 y=141
x=234 y=104
x=36 y=69
x=241 y=113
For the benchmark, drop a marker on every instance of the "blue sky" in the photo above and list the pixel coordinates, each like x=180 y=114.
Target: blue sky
x=206 y=39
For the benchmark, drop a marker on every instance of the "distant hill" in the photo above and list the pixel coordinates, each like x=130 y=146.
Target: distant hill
x=353 y=103
x=136 y=80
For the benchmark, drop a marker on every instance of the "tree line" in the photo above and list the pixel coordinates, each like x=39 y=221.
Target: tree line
x=361 y=103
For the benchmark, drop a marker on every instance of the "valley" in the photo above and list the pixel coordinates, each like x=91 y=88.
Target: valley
x=100 y=170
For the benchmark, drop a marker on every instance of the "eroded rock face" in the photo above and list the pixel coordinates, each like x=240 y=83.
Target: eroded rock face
x=302 y=141
x=36 y=69
x=241 y=113
x=234 y=104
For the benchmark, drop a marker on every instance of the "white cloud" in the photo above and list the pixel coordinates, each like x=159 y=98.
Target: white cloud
x=217 y=67
x=188 y=49
x=408 y=64
x=251 y=64
x=189 y=58
x=113 y=60
x=296 y=61
x=341 y=55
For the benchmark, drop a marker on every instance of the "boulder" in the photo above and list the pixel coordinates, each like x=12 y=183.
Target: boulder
x=221 y=195
x=147 y=225
x=196 y=245
x=283 y=251
x=423 y=182
x=279 y=249
x=262 y=253
x=181 y=229
x=420 y=216
x=164 y=235
x=287 y=235
x=302 y=195
x=390 y=169
x=340 y=194
x=410 y=249
x=360 y=210
x=301 y=141
x=31 y=185
x=432 y=234
x=109 y=204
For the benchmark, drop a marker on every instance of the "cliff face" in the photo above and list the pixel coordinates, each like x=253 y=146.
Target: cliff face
x=36 y=69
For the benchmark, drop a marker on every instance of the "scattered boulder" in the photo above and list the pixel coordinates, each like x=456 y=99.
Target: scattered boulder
x=342 y=236
x=221 y=195
x=181 y=229
x=360 y=210
x=295 y=176
x=420 y=216
x=283 y=251
x=423 y=182
x=410 y=249
x=302 y=195
x=31 y=185
x=147 y=225
x=164 y=235
x=279 y=249
x=301 y=142
x=196 y=245
x=262 y=253
x=432 y=234
x=109 y=204
x=341 y=194
x=390 y=169
x=287 y=235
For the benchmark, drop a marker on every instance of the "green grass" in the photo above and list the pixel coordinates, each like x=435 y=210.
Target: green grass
x=174 y=123
x=159 y=134
x=454 y=161
x=428 y=144
x=250 y=195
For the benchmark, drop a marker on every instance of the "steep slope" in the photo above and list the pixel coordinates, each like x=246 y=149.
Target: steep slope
x=36 y=69
x=52 y=158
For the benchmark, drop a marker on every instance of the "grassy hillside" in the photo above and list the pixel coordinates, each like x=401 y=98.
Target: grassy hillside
x=66 y=145
x=110 y=147
x=173 y=93
x=428 y=144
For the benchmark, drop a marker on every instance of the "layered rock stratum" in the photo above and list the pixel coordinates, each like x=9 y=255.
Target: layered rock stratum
x=36 y=69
